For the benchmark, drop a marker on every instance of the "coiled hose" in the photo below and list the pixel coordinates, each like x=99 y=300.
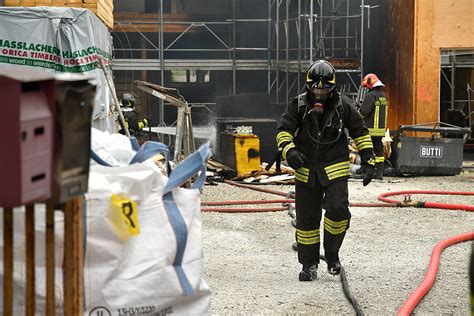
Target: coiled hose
x=411 y=303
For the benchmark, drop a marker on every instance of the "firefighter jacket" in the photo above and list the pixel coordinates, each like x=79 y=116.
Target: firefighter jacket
x=134 y=125
x=374 y=110
x=323 y=142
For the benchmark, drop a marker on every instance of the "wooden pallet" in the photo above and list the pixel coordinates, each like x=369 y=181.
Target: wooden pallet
x=102 y=8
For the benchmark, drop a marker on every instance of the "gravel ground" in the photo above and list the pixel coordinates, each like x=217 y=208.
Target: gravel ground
x=251 y=268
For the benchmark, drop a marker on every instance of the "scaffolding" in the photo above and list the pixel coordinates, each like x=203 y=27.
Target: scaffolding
x=452 y=62
x=296 y=32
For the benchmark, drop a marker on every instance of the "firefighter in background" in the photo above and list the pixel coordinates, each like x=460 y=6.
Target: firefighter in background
x=130 y=114
x=311 y=138
x=374 y=110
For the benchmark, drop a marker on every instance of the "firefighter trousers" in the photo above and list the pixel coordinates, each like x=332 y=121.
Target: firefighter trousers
x=310 y=202
x=379 y=154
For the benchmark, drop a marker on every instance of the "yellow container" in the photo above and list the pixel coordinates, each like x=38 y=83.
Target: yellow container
x=247 y=153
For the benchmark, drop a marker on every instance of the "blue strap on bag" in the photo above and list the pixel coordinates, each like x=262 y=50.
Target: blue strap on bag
x=182 y=173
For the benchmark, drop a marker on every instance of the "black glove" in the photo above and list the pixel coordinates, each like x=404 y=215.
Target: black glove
x=368 y=171
x=295 y=159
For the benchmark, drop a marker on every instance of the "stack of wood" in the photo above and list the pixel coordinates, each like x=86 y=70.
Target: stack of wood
x=102 y=8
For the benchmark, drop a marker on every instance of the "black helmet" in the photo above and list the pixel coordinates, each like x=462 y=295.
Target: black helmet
x=128 y=99
x=320 y=80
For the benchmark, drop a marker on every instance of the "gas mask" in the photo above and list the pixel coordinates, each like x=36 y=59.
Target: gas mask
x=319 y=94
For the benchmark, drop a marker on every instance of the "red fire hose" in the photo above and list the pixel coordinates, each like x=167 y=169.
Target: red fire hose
x=465 y=207
x=428 y=281
x=285 y=202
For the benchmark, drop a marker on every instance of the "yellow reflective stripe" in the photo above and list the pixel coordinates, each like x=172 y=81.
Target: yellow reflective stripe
x=363 y=142
x=307 y=233
x=308 y=241
x=335 y=231
x=337 y=166
x=335 y=228
x=362 y=139
x=377 y=131
x=371 y=161
x=303 y=171
x=284 y=140
x=376 y=116
x=379 y=159
x=301 y=177
x=333 y=79
x=283 y=137
x=338 y=170
x=339 y=174
x=334 y=223
x=308 y=79
x=285 y=150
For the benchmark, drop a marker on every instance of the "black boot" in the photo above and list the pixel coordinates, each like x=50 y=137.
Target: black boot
x=378 y=175
x=309 y=273
x=334 y=265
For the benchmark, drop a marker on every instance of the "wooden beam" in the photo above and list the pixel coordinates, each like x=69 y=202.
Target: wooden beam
x=7 y=261
x=50 y=260
x=453 y=24
x=426 y=75
x=129 y=22
x=30 y=259
x=73 y=257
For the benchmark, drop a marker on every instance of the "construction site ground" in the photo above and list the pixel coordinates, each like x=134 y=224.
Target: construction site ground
x=252 y=269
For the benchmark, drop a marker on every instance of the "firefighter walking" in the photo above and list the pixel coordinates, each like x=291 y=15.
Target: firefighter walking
x=374 y=110
x=311 y=138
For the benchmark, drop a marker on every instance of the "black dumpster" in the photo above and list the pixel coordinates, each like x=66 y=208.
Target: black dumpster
x=438 y=155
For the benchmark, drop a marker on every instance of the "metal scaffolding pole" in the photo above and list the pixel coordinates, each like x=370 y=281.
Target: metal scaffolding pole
x=161 y=111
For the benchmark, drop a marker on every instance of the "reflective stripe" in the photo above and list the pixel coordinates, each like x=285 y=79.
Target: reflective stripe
x=334 y=223
x=301 y=177
x=371 y=161
x=308 y=241
x=303 y=171
x=283 y=137
x=338 y=170
x=308 y=237
x=376 y=116
x=339 y=174
x=285 y=150
x=379 y=159
x=307 y=233
x=335 y=228
x=363 y=142
x=377 y=131
x=336 y=166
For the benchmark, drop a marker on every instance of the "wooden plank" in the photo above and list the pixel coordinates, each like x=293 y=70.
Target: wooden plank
x=50 y=260
x=27 y=3
x=426 y=74
x=30 y=259
x=12 y=3
x=73 y=257
x=59 y=3
x=40 y=3
x=453 y=24
x=8 y=261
